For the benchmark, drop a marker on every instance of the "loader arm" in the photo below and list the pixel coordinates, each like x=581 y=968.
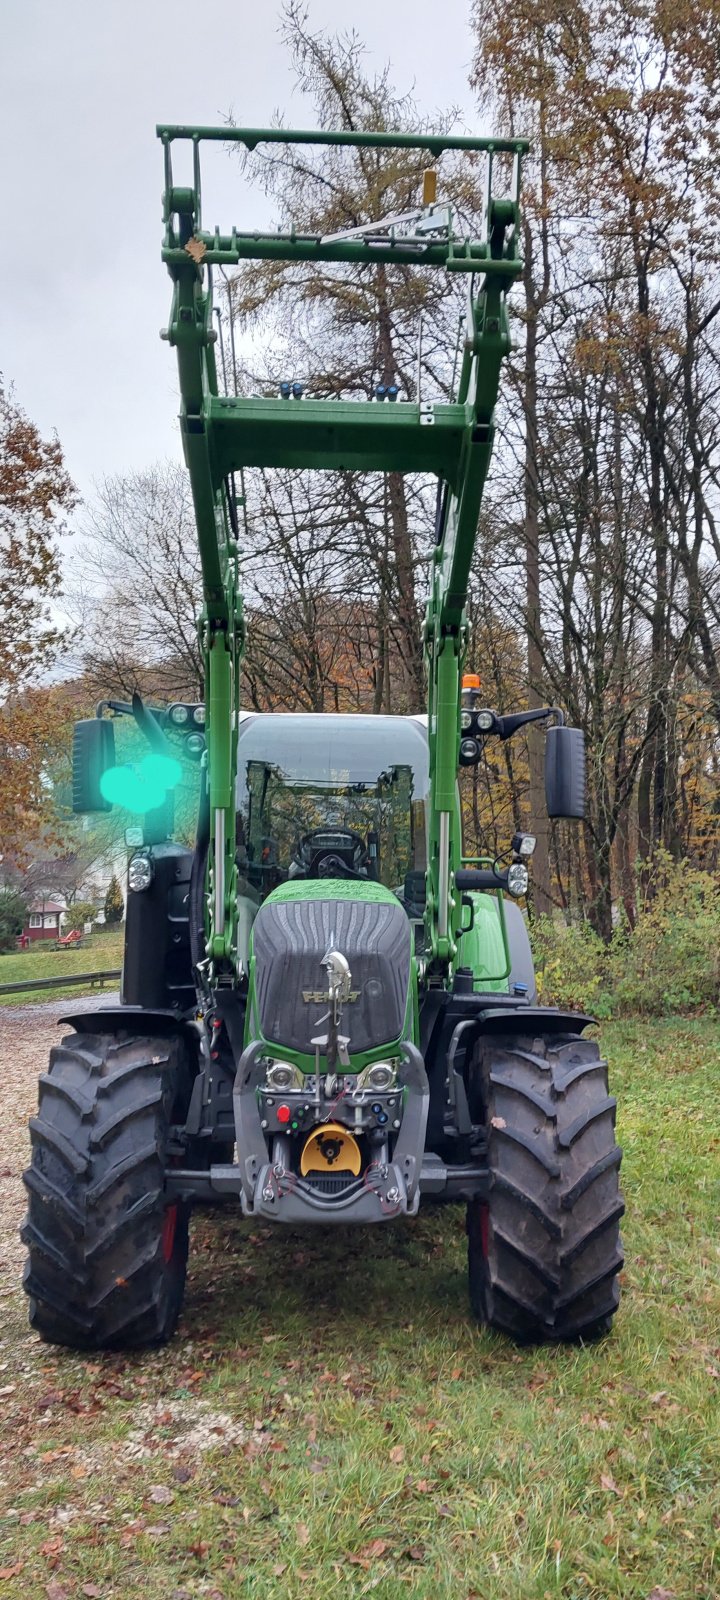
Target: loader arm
x=225 y=433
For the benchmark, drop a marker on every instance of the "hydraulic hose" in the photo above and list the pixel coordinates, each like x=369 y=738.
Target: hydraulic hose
x=197 y=878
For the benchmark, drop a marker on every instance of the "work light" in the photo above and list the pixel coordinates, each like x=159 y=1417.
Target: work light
x=141 y=872
x=517 y=879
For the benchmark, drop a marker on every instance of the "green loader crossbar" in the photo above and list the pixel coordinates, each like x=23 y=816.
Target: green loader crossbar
x=224 y=434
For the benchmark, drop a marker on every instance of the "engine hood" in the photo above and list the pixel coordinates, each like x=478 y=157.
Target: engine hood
x=294 y=929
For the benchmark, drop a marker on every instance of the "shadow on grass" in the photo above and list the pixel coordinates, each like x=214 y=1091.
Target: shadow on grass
x=245 y=1277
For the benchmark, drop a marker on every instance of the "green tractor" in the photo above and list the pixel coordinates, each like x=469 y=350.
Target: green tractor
x=328 y=1011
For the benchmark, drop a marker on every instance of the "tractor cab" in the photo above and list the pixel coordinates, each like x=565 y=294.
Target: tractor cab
x=330 y=797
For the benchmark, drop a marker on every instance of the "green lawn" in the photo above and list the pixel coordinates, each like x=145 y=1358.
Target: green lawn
x=329 y=1422
x=99 y=952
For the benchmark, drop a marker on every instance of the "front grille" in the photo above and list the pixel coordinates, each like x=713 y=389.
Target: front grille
x=330 y=1183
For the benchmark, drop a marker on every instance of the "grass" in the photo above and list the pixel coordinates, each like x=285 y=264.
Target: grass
x=100 y=952
x=330 y=1422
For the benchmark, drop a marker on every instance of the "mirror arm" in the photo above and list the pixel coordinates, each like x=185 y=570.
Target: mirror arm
x=149 y=725
x=507 y=726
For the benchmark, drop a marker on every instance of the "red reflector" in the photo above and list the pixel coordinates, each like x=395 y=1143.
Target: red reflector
x=283 y=1113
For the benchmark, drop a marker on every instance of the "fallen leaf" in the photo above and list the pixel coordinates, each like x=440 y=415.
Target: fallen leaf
x=374 y=1549
x=661 y=1594
x=302 y=1533
x=415 y=1553
x=55 y=1591
x=161 y=1495
x=498 y=1122
x=397 y=1454
x=91 y=1591
x=7 y=1388
x=608 y=1482
x=12 y=1572
x=279 y=1568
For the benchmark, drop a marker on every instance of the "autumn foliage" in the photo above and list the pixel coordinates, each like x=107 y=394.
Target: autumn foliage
x=36 y=494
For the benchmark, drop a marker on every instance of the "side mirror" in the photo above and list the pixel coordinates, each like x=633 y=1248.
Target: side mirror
x=565 y=773
x=92 y=753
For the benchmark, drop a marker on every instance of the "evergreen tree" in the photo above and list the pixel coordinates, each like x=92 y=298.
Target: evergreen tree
x=114 y=906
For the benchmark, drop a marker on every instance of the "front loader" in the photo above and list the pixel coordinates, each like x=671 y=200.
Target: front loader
x=328 y=1011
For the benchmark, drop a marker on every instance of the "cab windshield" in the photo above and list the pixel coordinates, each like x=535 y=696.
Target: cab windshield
x=331 y=796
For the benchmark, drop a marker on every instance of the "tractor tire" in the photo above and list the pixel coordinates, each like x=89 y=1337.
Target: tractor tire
x=544 y=1251
x=107 y=1252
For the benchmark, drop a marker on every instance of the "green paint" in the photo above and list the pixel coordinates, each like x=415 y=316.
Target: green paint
x=484 y=946
x=333 y=889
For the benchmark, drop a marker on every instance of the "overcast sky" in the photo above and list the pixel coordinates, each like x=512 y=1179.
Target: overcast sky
x=82 y=85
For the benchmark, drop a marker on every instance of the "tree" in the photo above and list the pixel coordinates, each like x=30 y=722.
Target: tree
x=114 y=904
x=36 y=494
x=80 y=912
x=13 y=916
x=615 y=464
x=346 y=330
x=137 y=589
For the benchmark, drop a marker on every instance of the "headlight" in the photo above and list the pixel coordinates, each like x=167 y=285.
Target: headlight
x=283 y=1075
x=469 y=751
x=485 y=720
x=179 y=715
x=517 y=879
x=380 y=1076
x=141 y=872
x=195 y=744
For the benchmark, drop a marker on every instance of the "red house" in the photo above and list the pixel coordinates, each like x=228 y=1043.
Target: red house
x=43 y=920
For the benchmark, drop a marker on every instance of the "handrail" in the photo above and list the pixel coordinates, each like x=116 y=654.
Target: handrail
x=69 y=981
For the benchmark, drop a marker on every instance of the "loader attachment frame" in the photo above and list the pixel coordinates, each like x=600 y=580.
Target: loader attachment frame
x=223 y=434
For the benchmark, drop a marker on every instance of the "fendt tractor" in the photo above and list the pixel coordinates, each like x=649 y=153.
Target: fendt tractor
x=328 y=1011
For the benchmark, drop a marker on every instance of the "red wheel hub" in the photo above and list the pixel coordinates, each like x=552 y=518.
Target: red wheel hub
x=485 y=1230
x=168 y=1232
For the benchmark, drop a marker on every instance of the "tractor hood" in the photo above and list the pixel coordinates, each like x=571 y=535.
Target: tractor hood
x=293 y=931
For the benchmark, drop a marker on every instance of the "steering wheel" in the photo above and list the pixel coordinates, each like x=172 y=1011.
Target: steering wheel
x=333 y=853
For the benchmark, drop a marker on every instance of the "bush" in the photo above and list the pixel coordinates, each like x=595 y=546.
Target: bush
x=80 y=912
x=671 y=961
x=668 y=964
x=13 y=916
x=114 y=906
x=570 y=965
